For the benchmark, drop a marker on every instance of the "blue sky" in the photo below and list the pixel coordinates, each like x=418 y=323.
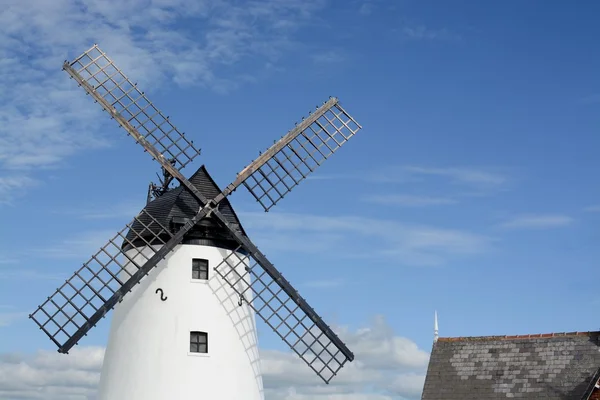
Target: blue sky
x=470 y=189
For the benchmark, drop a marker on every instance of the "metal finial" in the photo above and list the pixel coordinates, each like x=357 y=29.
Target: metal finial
x=435 y=327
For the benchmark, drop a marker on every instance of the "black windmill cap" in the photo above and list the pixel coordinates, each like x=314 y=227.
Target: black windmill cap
x=177 y=205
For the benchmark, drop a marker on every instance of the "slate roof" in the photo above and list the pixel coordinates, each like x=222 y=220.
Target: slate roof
x=178 y=204
x=548 y=366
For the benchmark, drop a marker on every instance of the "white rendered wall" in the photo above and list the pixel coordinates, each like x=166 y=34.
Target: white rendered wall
x=148 y=357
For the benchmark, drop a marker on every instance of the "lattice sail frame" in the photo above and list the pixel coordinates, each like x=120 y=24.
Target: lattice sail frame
x=301 y=155
x=91 y=286
x=280 y=313
x=300 y=151
x=94 y=70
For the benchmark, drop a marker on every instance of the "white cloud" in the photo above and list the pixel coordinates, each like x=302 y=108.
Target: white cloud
x=124 y=210
x=411 y=385
x=9 y=317
x=328 y=57
x=366 y=8
x=28 y=274
x=8 y=260
x=50 y=375
x=44 y=118
x=408 y=200
x=12 y=187
x=350 y=236
x=421 y=32
x=593 y=209
x=83 y=244
x=369 y=7
x=537 y=221
x=471 y=181
x=378 y=347
x=386 y=366
x=463 y=175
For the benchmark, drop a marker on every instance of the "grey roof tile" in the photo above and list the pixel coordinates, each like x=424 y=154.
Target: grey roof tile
x=558 y=367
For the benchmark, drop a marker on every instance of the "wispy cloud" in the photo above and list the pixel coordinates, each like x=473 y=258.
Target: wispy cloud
x=12 y=187
x=9 y=317
x=82 y=245
x=43 y=119
x=124 y=210
x=474 y=180
x=368 y=7
x=537 y=221
x=421 y=32
x=28 y=275
x=456 y=181
x=462 y=175
x=351 y=236
x=408 y=200
x=593 y=209
x=328 y=57
x=8 y=260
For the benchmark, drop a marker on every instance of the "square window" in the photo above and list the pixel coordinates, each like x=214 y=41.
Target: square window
x=199 y=268
x=198 y=342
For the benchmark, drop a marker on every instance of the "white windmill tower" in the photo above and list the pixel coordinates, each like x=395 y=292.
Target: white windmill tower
x=184 y=278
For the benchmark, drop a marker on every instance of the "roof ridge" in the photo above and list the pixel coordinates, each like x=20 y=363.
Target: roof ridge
x=526 y=336
x=226 y=201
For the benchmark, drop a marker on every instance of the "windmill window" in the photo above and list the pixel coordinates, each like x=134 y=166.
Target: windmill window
x=199 y=268
x=198 y=342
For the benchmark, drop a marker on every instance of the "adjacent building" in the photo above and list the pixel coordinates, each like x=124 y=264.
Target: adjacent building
x=554 y=366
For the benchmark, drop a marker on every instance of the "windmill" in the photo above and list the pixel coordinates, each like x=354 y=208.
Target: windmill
x=184 y=279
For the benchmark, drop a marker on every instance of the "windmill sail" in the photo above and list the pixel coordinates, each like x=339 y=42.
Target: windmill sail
x=122 y=99
x=96 y=287
x=281 y=307
x=283 y=166
x=110 y=274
